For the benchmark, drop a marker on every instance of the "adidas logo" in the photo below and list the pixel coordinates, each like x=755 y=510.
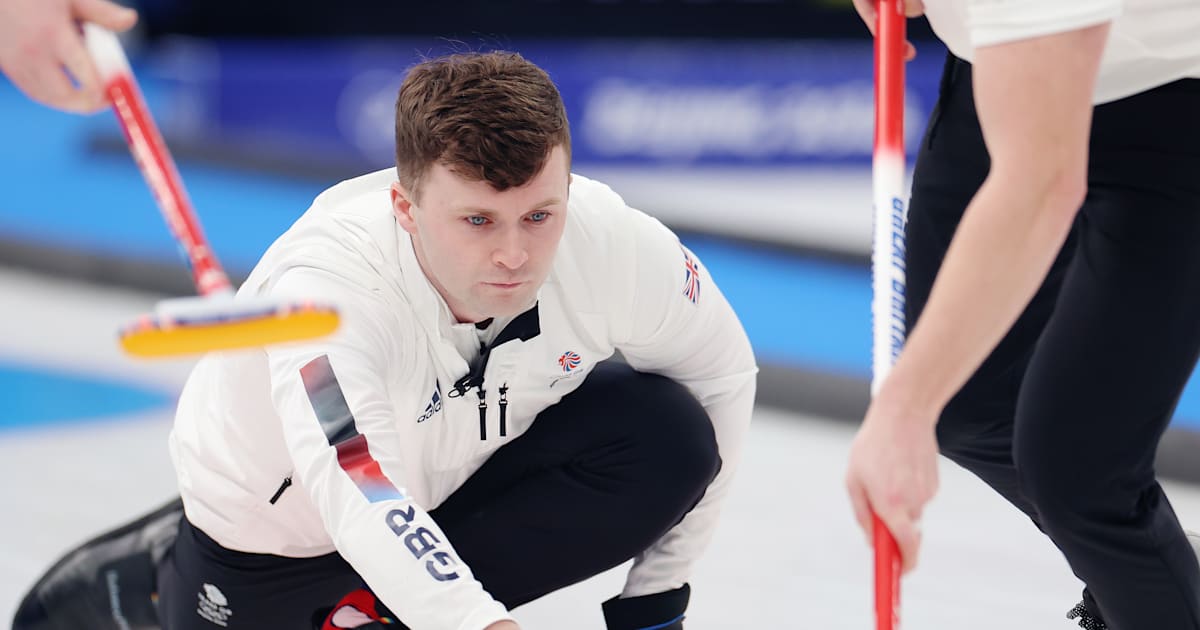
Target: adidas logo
x=434 y=405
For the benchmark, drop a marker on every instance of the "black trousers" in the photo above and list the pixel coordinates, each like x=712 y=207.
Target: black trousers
x=1064 y=418
x=597 y=479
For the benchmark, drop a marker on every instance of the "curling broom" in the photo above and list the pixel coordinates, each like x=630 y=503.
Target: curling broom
x=887 y=262
x=213 y=320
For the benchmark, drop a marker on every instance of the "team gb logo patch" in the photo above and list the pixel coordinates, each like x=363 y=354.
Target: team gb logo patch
x=569 y=361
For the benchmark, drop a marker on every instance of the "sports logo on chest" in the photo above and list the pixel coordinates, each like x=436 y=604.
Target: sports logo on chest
x=434 y=406
x=569 y=366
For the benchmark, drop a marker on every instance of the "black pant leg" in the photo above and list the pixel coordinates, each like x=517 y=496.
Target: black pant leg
x=1113 y=360
x=597 y=479
x=200 y=581
x=976 y=427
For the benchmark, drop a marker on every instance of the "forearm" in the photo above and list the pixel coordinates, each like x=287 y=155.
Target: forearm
x=1033 y=98
x=1008 y=238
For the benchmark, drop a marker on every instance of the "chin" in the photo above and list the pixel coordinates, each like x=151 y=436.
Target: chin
x=507 y=308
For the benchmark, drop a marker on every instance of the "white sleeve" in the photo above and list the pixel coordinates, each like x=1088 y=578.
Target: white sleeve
x=1001 y=21
x=683 y=328
x=341 y=430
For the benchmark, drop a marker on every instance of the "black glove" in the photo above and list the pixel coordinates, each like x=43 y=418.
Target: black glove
x=660 y=611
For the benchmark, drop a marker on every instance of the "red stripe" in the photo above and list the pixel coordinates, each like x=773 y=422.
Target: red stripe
x=887 y=578
x=889 y=76
x=355 y=459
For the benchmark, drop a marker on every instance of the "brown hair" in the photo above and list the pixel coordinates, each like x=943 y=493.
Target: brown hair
x=490 y=117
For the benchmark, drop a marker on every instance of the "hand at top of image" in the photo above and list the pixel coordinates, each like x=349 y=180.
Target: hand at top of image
x=869 y=12
x=42 y=51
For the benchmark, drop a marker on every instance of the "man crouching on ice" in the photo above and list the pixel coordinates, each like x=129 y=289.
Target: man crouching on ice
x=463 y=444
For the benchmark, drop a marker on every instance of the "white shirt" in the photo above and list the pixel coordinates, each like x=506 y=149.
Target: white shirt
x=1150 y=43
x=363 y=422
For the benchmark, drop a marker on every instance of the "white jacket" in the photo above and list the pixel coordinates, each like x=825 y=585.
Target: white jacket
x=1150 y=42
x=363 y=425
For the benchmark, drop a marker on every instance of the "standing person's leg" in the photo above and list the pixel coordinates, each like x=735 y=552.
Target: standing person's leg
x=976 y=428
x=1113 y=360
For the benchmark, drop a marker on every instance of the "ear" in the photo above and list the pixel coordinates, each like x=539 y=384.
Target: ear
x=402 y=207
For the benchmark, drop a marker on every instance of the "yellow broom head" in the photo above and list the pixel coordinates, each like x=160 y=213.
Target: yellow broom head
x=195 y=325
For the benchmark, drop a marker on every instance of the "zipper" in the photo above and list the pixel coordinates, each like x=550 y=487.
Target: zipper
x=482 y=413
x=503 y=409
x=287 y=482
x=524 y=327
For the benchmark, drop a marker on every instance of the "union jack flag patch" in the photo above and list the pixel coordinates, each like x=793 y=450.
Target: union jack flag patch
x=691 y=283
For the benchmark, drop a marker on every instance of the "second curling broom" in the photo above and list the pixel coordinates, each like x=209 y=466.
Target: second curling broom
x=213 y=320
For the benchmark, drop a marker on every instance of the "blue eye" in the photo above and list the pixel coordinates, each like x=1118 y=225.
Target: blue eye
x=477 y=221
x=538 y=217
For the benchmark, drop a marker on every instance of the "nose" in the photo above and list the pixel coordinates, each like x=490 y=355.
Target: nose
x=510 y=250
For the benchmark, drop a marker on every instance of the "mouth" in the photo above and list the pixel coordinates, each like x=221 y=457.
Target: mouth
x=504 y=285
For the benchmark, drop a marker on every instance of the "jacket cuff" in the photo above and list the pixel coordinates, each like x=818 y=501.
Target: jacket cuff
x=660 y=611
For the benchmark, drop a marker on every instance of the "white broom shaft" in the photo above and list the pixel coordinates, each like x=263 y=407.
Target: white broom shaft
x=887 y=265
x=888 y=173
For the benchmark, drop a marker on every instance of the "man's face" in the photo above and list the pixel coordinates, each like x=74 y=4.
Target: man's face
x=486 y=252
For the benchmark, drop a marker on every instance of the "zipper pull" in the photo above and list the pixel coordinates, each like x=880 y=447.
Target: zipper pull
x=287 y=482
x=482 y=413
x=503 y=409
x=460 y=386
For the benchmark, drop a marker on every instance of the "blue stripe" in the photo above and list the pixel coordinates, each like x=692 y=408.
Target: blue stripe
x=663 y=625
x=31 y=396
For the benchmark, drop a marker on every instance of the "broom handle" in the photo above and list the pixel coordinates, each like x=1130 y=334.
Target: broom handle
x=887 y=262
x=154 y=160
